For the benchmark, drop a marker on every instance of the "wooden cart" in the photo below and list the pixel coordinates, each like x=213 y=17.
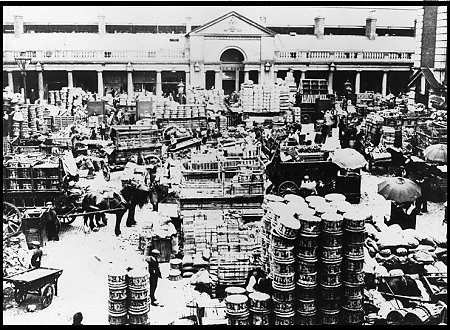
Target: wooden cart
x=39 y=281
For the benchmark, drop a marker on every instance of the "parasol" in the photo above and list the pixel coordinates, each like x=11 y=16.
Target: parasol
x=436 y=153
x=348 y=158
x=399 y=190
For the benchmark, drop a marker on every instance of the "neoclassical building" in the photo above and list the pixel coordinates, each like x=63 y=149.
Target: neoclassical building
x=223 y=53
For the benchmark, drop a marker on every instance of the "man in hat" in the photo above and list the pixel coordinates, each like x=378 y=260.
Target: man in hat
x=51 y=222
x=36 y=257
x=155 y=273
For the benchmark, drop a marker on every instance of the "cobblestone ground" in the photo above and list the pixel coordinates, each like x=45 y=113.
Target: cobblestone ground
x=86 y=258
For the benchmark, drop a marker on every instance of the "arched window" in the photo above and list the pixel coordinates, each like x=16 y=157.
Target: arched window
x=231 y=56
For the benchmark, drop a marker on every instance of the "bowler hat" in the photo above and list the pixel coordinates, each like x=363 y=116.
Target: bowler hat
x=155 y=251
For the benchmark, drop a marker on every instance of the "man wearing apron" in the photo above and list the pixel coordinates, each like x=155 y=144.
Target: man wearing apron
x=155 y=273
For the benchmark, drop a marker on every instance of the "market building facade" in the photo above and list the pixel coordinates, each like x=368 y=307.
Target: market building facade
x=222 y=53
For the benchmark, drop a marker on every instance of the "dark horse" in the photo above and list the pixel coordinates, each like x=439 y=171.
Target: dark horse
x=118 y=203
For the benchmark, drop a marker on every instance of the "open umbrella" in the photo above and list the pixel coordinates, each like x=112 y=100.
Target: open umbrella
x=348 y=158
x=436 y=153
x=399 y=190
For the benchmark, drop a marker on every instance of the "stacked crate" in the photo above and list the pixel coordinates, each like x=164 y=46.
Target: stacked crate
x=284 y=103
x=258 y=98
x=247 y=96
x=266 y=96
x=25 y=131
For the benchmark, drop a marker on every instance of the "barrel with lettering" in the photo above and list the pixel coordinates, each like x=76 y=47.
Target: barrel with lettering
x=284 y=318
x=302 y=318
x=236 y=305
x=354 y=278
x=352 y=316
x=354 y=221
x=306 y=266
x=283 y=306
x=331 y=240
x=306 y=292
x=309 y=225
x=306 y=306
x=353 y=264
x=287 y=227
x=354 y=251
x=283 y=295
x=283 y=281
x=354 y=237
x=307 y=247
x=332 y=223
x=329 y=317
x=231 y=290
x=283 y=254
x=259 y=302
x=260 y=318
x=331 y=253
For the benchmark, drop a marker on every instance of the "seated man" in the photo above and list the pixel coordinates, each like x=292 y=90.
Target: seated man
x=308 y=187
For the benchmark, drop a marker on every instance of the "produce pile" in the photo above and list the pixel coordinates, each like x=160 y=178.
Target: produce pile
x=411 y=250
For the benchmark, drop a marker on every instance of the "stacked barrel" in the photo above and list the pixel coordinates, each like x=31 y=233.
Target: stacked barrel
x=117 y=303
x=138 y=294
x=285 y=227
x=175 y=269
x=237 y=309
x=352 y=295
x=306 y=260
x=259 y=308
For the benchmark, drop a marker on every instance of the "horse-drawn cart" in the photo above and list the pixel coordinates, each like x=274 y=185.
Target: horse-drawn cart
x=39 y=281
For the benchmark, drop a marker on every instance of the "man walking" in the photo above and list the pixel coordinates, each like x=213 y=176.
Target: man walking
x=155 y=273
x=51 y=221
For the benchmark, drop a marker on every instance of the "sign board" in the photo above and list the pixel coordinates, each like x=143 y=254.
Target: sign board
x=365 y=96
x=307 y=98
x=144 y=108
x=95 y=108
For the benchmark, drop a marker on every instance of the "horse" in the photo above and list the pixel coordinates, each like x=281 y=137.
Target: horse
x=114 y=203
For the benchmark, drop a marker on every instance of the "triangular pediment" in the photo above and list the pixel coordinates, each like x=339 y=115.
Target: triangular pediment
x=232 y=24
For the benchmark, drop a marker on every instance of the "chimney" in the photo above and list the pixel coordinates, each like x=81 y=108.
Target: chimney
x=18 y=25
x=188 y=24
x=101 y=25
x=319 y=26
x=263 y=20
x=371 y=26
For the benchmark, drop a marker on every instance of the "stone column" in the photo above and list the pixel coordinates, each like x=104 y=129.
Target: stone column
x=10 y=80
x=69 y=79
x=236 y=86
x=330 y=82
x=303 y=75
x=100 y=86
x=130 y=87
x=246 y=75
x=158 y=83
x=274 y=76
x=188 y=80
x=218 y=79
x=358 y=82
x=384 y=83
x=40 y=81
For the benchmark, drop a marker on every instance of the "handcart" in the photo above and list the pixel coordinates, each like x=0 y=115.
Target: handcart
x=39 y=281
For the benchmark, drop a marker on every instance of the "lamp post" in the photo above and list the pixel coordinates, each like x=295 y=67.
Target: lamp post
x=23 y=62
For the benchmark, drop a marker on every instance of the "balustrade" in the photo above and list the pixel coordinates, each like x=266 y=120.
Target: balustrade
x=327 y=56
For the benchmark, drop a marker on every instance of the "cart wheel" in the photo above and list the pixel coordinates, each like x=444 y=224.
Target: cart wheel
x=106 y=172
x=19 y=295
x=47 y=295
x=270 y=189
x=12 y=218
x=287 y=187
x=66 y=219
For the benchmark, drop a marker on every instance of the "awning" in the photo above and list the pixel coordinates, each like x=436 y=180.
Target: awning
x=429 y=76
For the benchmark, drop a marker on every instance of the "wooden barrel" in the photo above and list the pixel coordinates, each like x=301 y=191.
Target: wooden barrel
x=174 y=275
x=309 y=280
x=307 y=247
x=118 y=294
x=309 y=225
x=283 y=268
x=354 y=221
x=231 y=290
x=302 y=318
x=138 y=306
x=138 y=317
x=287 y=227
x=306 y=292
x=322 y=209
x=278 y=211
x=306 y=306
x=284 y=318
x=354 y=237
x=352 y=303
x=242 y=319
x=330 y=279
x=283 y=281
x=354 y=278
x=259 y=302
x=282 y=306
x=117 y=306
x=138 y=279
x=283 y=255
x=352 y=290
x=140 y=294
x=117 y=278
x=278 y=241
x=353 y=317
x=331 y=253
x=330 y=304
x=331 y=266
x=331 y=240
x=236 y=304
x=329 y=293
x=260 y=318
x=335 y=197
x=354 y=251
x=353 y=264
x=306 y=266
x=329 y=317
x=283 y=295
x=175 y=264
x=332 y=223
x=118 y=319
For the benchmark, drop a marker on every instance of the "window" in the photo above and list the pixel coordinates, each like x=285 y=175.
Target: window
x=107 y=54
